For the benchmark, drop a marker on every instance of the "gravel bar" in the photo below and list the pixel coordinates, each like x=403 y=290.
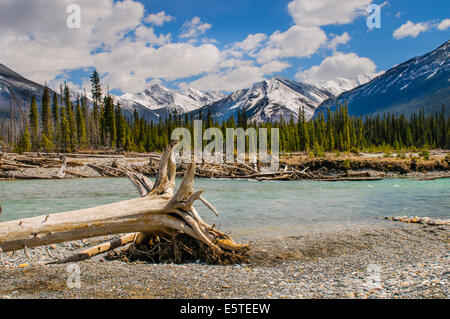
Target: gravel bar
x=395 y=260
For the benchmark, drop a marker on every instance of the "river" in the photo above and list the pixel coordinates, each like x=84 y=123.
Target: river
x=249 y=209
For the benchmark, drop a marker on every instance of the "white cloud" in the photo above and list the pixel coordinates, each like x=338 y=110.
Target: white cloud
x=169 y=62
x=194 y=28
x=273 y=67
x=338 y=39
x=252 y=42
x=298 y=41
x=148 y=35
x=326 y=12
x=340 y=65
x=444 y=25
x=241 y=76
x=158 y=19
x=410 y=29
x=36 y=42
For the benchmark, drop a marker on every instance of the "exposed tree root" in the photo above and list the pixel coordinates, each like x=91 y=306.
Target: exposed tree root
x=177 y=248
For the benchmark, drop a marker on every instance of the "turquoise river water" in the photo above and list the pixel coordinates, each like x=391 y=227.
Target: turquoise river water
x=249 y=209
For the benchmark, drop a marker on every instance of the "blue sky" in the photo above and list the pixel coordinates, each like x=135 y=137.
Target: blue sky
x=214 y=45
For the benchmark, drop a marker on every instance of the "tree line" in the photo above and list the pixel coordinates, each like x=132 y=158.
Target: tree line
x=66 y=124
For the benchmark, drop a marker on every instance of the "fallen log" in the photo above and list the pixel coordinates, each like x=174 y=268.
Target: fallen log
x=432 y=178
x=15 y=175
x=102 y=170
x=161 y=212
x=351 y=179
x=6 y=167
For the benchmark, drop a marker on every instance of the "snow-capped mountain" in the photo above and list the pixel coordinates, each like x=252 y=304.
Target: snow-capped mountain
x=341 y=85
x=422 y=81
x=270 y=100
x=158 y=96
x=23 y=89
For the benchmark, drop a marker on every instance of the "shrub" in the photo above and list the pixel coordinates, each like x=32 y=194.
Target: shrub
x=425 y=154
x=346 y=164
x=354 y=150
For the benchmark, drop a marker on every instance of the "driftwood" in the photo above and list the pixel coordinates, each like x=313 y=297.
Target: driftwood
x=160 y=212
x=239 y=170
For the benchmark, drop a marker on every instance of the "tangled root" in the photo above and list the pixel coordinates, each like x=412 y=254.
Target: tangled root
x=178 y=249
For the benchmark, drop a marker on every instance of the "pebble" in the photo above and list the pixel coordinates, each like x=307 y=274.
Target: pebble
x=401 y=260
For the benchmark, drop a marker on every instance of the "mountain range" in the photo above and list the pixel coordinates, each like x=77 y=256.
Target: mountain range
x=422 y=81
x=419 y=82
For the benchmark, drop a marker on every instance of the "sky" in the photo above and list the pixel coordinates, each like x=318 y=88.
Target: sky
x=213 y=45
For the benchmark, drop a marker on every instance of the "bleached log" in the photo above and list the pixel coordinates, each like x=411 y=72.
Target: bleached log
x=159 y=211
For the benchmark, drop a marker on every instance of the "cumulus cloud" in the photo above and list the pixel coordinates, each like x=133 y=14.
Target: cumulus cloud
x=339 y=65
x=119 y=39
x=252 y=42
x=326 y=12
x=306 y=36
x=169 y=62
x=44 y=48
x=36 y=41
x=148 y=35
x=158 y=19
x=410 y=29
x=444 y=25
x=241 y=76
x=194 y=28
x=338 y=40
x=297 y=41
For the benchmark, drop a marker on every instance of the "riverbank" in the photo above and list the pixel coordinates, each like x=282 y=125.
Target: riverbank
x=392 y=260
x=347 y=166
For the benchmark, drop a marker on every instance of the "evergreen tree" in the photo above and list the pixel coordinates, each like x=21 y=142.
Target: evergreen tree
x=109 y=122
x=55 y=117
x=81 y=126
x=25 y=141
x=96 y=91
x=34 y=124
x=46 y=115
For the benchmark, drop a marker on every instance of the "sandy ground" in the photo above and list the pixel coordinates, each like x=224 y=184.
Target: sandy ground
x=392 y=260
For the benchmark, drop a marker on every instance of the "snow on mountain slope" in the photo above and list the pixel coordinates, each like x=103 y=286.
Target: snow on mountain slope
x=158 y=97
x=23 y=88
x=422 y=81
x=270 y=100
x=341 y=85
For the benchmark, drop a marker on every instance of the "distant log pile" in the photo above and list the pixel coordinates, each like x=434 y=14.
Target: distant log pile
x=30 y=165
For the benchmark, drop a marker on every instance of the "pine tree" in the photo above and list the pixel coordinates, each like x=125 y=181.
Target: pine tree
x=65 y=130
x=303 y=131
x=34 y=124
x=55 y=117
x=96 y=90
x=46 y=115
x=109 y=122
x=120 y=128
x=81 y=126
x=25 y=141
x=46 y=143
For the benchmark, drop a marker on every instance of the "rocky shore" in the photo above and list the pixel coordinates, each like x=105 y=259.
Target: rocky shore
x=391 y=260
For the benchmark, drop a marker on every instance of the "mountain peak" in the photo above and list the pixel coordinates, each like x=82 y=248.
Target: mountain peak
x=422 y=81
